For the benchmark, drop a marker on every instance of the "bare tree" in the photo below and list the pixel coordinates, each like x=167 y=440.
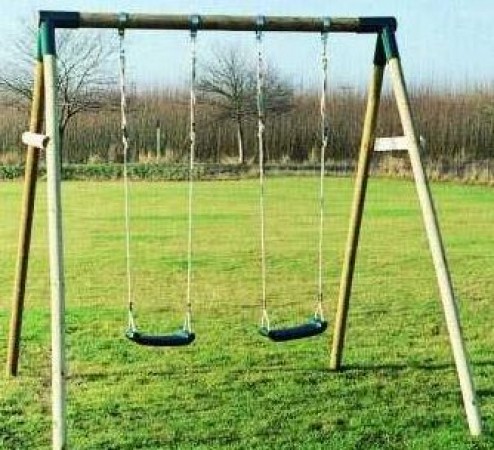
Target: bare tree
x=229 y=83
x=84 y=75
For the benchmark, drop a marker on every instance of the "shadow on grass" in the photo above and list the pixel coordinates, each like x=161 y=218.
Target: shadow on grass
x=394 y=367
x=321 y=370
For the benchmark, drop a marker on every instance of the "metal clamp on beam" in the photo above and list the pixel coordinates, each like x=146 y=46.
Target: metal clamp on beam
x=35 y=140
x=260 y=25
x=195 y=22
x=326 y=25
x=123 y=19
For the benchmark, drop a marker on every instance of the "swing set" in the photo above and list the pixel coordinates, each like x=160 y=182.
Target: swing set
x=386 y=55
x=184 y=335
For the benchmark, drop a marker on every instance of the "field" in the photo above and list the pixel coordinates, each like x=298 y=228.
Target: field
x=232 y=389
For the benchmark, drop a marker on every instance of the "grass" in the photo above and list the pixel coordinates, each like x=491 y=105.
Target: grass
x=232 y=389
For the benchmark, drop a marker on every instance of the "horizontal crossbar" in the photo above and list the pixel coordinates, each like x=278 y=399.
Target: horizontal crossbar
x=35 y=140
x=72 y=19
x=389 y=144
x=395 y=143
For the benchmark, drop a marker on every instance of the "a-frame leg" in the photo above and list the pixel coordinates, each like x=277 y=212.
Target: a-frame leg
x=434 y=237
x=387 y=50
x=55 y=238
x=28 y=199
x=366 y=149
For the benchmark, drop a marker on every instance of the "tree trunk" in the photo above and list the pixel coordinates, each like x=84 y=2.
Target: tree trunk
x=61 y=131
x=240 y=140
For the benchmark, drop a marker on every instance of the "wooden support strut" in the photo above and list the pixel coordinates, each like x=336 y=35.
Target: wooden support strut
x=27 y=213
x=362 y=176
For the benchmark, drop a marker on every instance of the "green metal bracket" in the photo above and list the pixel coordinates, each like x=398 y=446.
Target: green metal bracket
x=379 y=54
x=377 y=24
x=47 y=38
x=389 y=43
x=60 y=19
x=39 y=47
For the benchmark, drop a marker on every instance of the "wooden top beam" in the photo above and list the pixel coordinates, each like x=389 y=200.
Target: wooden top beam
x=66 y=19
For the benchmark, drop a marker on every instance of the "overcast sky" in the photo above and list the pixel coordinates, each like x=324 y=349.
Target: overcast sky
x=444 y=42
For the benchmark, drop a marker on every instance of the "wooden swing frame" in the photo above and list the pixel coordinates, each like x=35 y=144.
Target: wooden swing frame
x=44 y=101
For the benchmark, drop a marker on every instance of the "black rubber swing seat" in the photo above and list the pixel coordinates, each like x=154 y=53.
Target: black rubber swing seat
x=176 y=339
x=313 y=327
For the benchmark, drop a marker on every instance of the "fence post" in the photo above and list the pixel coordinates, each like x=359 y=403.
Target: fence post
x=158 y=140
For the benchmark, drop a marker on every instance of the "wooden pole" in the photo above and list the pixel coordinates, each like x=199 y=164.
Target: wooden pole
x=437 y=250
x=27 y=214
x=366 y=149
x=72 y=19
x=57 y=281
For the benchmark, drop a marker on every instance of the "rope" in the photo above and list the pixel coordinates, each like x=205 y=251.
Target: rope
x=125 y=142
x=324 y=145
x=194 y=23
x=260 y=136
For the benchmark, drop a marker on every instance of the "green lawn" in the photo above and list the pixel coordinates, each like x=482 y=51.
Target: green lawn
x=232 y=389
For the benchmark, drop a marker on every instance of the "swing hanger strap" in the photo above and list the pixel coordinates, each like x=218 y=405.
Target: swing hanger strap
x=194 y=24
x=123 y=19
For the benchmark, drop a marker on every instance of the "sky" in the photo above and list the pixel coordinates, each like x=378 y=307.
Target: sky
x=446 y=43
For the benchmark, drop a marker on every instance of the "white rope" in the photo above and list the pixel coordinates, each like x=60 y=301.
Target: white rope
x=260 y=136
x=192 y=135
x=324 y=145
x=125 y=142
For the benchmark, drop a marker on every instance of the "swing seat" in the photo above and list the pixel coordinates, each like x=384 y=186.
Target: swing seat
x=179 y=338
x=313 y=327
